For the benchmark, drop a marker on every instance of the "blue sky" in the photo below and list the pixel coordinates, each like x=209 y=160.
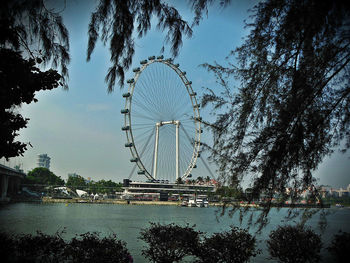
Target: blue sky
x=80 y=128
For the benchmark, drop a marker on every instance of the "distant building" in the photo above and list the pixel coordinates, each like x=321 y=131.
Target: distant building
x=43 y=161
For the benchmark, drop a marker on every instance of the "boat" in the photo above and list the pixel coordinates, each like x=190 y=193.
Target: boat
x=184 y=203
x=199 y=202
x=206 y=203
x=192 y=203
x=339 y=205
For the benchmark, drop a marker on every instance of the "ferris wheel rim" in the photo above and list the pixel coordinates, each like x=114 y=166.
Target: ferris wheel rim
x=195 y=107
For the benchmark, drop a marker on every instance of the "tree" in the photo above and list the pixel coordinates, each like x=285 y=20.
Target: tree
x=236 y=245
x=339 y=246
x=30 y=35
x=30 y=26
x=41 y=175
x=169 y=243
x=19 y=80
x=37 y=248
x=200 y=179
x=89 y=247
x=103 y=186
x=294 y=244
x=293 y=102
x=226 y=191
x=179 y=180
x=76 y=182
x=114 y=21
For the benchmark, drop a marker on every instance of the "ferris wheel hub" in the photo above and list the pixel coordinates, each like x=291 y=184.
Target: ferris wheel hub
x=168 y=122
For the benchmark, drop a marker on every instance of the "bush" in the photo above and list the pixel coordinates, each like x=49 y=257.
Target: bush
x=236 y=245
x=340 y=247
x=294 y=244
x=44 y=248
x=6 y=247
x=169 y=243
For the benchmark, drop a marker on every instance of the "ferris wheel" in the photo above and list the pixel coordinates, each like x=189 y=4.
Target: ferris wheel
x=162 y=121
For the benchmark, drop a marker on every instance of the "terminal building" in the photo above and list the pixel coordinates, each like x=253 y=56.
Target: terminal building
x=163 y=190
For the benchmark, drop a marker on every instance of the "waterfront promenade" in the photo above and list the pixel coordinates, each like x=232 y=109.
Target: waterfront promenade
x=164 y=203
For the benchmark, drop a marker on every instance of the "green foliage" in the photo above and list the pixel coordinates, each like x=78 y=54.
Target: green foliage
x=340 y=247
x=344 y=200
x=24 y=26
x=179 y=180
x=38 y=31
x=7 y=245
x=292 y=104
x=76 y=182
x=38 y=248
x=44 y=176
x=88 y=247
x=236 y=246
x=227 y=191
x=295 y=244
x=103 y=186
x=169 y=243
x=117 y=22
x=19 y=80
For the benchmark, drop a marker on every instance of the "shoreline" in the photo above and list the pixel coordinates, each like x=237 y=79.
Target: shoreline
x=155 y=203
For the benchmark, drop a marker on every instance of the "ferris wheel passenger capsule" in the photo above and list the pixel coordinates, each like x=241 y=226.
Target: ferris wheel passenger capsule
x=143 y=62
x=177 y=65
x=126 y=95
x=129 y=144
x=183 y=72
x=160 y=57
x=193 y=94
x=129 y=81
x=189 y=83
x=141 y=172
x=134 y=160
x=198 y=118
x=136 y=70
x=125 y=128
x=151 y=58
x=194 y=166
x=124 y=111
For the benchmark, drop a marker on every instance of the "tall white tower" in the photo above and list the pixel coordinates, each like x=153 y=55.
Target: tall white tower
x=43 y=161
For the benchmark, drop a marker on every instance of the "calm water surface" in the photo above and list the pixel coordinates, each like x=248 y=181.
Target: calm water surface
x=127 y=221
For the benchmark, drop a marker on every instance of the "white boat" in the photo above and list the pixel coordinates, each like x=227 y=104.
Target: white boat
x=199 y=202
x=339 y=205
x=191 y=203
x=206 y=203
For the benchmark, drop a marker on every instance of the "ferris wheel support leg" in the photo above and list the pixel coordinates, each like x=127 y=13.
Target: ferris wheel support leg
x=156 y=151
x=177 y=125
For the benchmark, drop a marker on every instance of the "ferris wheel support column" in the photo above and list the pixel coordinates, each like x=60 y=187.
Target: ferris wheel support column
x=156 y=151
x=177 y=125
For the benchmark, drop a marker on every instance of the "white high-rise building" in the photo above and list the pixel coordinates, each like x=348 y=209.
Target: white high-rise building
x=43 y=161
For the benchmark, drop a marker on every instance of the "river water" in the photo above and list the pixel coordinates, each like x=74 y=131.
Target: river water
x=127 y=221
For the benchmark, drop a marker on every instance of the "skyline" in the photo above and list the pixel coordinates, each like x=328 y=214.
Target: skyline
x=80 y=128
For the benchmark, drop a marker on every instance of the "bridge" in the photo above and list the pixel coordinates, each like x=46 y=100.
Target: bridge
x=10 y=182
